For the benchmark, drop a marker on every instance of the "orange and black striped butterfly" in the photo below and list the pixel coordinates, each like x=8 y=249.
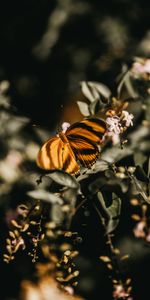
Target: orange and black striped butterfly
x=77 y=144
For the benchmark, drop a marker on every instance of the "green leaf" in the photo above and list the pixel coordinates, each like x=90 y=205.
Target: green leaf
x=64 y=179
x=112 y=212
x=93 y=90
x=94 y=107
x=84 y=108
x=45 y=196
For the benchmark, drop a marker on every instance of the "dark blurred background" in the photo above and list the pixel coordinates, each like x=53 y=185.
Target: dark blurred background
x=46 y=48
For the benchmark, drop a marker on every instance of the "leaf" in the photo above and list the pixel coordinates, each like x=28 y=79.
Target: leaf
x=100 y=166
x=141 y=175
x=101 y=88
x=93 y=90
x=115 y=208
x=64 y=179
x=45 y=196
x=126 y=82
x=94 y=107
x=84 y=108
x=87 y=92
x=139 y=158
x=112 y=212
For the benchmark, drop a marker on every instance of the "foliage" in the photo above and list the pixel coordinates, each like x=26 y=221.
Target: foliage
x=39 y=207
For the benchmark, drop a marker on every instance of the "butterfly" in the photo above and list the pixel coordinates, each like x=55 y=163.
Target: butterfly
x=77 y=146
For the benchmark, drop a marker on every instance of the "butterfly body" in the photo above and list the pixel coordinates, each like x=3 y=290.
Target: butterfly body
x=77 y=146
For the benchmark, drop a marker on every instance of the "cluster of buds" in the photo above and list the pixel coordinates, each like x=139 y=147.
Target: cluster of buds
x=21 y=229
x=13 y=244
x=59 y=251
x=121 y=287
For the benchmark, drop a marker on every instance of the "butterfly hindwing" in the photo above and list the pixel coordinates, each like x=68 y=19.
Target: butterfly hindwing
x=86 y=152
x=55 y=154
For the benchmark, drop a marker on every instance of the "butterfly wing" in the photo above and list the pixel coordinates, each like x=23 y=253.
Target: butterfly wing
x=84 y=137
x=86 y=151
x=55 y=154
x=91 y=129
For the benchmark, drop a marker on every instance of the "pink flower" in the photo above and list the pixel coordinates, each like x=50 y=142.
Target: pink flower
x=127 y=118
x=148 y=236
x=113 y=124
x=141 y=67
x=139 y=230
x=120 y=292
x=114 y=136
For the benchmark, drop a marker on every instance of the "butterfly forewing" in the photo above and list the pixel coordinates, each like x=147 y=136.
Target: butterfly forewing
x=92 y=129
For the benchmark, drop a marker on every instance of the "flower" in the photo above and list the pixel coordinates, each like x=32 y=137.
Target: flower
x=127 y=118
x=114 y=136
x=113 y=124
x=148 y=236
x=120 y=292
x=141 y=68
x=139 y=229
x=114 y=128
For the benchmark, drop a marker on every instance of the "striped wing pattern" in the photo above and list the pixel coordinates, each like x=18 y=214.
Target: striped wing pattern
x=92 y=129
x=56 y=154
x=86 y=152
x=79 y=143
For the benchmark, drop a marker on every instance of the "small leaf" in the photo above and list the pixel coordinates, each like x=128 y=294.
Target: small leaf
x=45 y=196
x=99 y=166
x=105 y=258
x=84 y=108
x=115 y=209
x=87 y=92
x=93 y=90
x=64 y=179
x=101 y=88
x=11 y=233
x=112 y=212
x=94 y=107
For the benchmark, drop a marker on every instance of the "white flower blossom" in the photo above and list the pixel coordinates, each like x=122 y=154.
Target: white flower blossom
x=113 y=124
x=140 y=67
x=127 y=118
x=114 y=136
